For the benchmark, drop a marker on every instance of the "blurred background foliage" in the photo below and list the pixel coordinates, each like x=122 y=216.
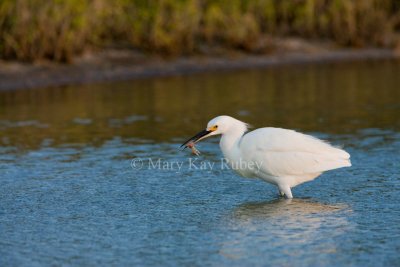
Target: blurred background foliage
x=62 y=29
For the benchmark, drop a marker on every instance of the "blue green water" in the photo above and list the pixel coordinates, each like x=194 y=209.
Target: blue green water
x=80 y=183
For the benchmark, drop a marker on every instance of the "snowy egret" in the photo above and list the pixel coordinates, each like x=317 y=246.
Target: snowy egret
x=282 y=157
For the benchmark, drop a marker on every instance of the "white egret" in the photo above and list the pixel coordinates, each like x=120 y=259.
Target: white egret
x=282 y=157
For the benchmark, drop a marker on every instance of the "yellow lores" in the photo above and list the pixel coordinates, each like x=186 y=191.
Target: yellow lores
x=213 y=128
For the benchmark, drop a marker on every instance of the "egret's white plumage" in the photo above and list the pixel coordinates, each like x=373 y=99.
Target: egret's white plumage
x=282 y=157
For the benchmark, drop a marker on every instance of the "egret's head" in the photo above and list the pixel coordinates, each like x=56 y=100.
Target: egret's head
x=219 y=125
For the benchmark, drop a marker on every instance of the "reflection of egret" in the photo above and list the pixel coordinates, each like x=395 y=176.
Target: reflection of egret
x=283 y=228
x=296 y=209
x=281 y=157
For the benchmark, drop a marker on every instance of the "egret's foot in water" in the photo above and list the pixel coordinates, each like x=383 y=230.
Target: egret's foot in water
x=285 y=189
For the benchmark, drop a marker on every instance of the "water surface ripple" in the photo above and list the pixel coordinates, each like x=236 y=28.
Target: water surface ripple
x=70 y=194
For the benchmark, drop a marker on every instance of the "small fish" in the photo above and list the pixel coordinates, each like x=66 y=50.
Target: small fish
x=195 y=151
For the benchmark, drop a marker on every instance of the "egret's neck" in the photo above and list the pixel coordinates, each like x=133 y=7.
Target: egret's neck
x=230 y=143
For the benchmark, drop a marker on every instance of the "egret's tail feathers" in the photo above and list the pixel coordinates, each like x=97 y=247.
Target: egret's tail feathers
x=348 y=163
x=340 y=153
x=339 y=158
x=343 y=163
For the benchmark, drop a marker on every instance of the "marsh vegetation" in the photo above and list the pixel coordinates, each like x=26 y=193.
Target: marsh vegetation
x=61 y=29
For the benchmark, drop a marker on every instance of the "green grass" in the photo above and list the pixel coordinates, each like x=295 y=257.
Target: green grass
x=61 y=29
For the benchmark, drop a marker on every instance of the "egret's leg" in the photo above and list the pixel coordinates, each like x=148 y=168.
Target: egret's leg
x=281 y=193
x=286 y=190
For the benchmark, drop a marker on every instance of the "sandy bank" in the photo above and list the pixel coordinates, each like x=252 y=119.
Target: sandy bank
x=118 y=65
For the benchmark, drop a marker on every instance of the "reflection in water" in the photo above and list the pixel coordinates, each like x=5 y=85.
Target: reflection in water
x=290 y=225
x=298 y=209
x=70 y=197
x=339 y=98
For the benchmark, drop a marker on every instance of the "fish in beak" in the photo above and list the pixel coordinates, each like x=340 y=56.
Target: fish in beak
x=193 y=140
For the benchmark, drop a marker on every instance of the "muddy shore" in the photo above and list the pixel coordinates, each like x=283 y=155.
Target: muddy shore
x=119 y=65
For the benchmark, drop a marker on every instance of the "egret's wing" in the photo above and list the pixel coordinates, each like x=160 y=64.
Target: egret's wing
x=284 y=152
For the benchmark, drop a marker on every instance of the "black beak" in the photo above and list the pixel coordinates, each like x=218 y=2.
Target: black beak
x=196 y=138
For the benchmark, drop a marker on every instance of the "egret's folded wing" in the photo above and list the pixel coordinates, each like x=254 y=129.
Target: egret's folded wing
x=285 y=152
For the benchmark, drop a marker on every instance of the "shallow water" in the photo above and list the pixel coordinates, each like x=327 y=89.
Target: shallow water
x=81 y=184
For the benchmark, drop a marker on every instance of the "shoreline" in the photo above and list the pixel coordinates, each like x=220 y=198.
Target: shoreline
x=122 y=65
